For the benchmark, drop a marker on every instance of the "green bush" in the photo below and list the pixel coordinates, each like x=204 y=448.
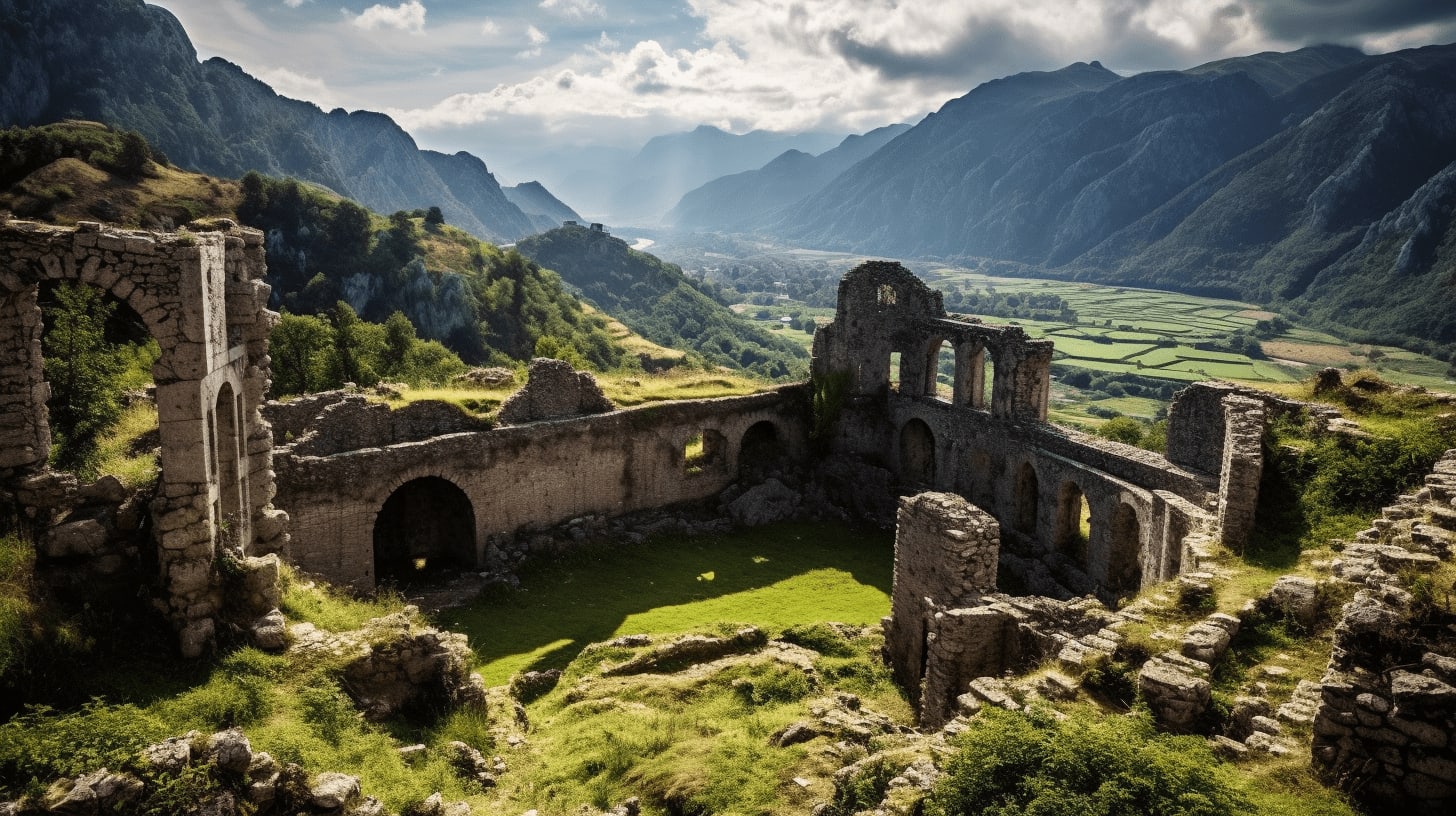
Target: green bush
x=1010 y=764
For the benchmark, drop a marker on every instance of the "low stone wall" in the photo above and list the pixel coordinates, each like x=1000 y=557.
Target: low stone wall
x=338 y=421
x=1385 y=729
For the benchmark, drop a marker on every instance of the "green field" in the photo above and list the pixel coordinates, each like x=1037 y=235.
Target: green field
x=772 y=577
x=1155 y=334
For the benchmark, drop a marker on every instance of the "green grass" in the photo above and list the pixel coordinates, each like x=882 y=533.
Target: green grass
x=772 y=577
x=124 y=451
x=16 y=607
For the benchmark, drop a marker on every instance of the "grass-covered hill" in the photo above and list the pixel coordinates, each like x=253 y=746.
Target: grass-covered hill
x=484 y=303
x=656 y=300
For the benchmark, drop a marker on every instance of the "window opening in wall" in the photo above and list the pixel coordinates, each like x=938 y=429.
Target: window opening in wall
x=98 y=356
x=895 y=371
x=988 y=380
x=885 y=295
x=1074 y=522
x=703 y=452
x=943 y=372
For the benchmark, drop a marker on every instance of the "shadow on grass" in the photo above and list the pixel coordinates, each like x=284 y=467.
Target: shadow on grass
x=772 y=577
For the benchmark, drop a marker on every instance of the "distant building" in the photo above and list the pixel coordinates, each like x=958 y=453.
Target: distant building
x=571 y=224
x=597 y=227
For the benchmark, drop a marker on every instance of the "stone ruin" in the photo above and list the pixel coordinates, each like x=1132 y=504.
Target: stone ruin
x=202 y=298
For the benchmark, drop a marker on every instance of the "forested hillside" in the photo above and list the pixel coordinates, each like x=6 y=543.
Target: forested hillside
x=485 y=304
x=132 y=65
x=656 y=300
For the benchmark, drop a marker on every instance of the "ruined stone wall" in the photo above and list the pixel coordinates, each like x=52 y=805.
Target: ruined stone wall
x=202 y=297
x=527 y=476
x=946 y=552
x=990 y=442
x=1197 y=420
x=1385 y=729
x=1028 y=475
x=343 y=421
x=1243 y=466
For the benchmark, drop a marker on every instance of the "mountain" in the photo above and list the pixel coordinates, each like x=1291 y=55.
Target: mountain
x=640 y=188
x=487 y=305
x=655 y=299
x=545 y=210
x=131 y=65
x=1318 y=181
x=749 y=198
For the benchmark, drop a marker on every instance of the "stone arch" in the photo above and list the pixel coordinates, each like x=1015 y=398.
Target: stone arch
x=917 y=453
x=227 y=448
x=940 y=353
x=1073 y=521
x=202 y=298
x=760 y=451
x=1027 y=499
x=1124 y=554
x=424 y=521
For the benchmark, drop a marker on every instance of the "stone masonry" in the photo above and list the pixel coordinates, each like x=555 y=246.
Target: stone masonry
x=554 y=390
x=202 y=297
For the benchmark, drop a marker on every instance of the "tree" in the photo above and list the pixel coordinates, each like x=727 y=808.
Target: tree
x=302 y=350
x=434 y=218
x=1122 y=429
x=357 y=346
x=399 y=337
x=81 y=367
x=133 y=156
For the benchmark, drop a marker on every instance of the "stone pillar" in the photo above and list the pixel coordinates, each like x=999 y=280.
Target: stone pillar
x=1243 y=466
x=946 y=552
x=970 y=374
x=25 y=435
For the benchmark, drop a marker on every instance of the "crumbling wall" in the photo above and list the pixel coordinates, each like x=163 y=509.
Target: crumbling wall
x=202 y=297
x=1385 y=729
x=529 y=476
x=1243 y=465
x=946 y=552
x=554 y=390
x=341 y=421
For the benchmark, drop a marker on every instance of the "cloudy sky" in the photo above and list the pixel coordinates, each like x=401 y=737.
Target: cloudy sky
x=514 y=80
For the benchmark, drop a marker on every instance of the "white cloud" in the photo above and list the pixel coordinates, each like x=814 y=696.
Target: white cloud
x=538 y=38
x=605 y=43
x=293 y=3
x=489 y=27
x=574 y=9
x=408 y=16
x=299 y=86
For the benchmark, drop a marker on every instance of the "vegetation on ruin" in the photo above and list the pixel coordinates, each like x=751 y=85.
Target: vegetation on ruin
x=17 y=558
x=1321 y=486
x=1034 y=763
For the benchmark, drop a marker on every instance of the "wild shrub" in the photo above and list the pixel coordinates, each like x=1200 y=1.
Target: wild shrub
x=820 y=637
x=1012 y=764
x=1113 y=680
x=41 y=744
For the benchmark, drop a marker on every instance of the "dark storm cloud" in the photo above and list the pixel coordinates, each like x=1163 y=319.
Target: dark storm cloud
x=985 y=44
x=1318 y=20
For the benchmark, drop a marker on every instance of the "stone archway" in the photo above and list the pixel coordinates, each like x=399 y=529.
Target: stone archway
x=1124 y=554
x=201 y=296
x=1073 y=523
x=760 y=452
x=425 y=522
x=917 y=454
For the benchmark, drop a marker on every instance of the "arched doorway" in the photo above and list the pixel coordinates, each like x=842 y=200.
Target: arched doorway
x=1074 y=523
x=1027 y=497
x=1124 y=562
x=761 y=453
x=917 y=454
x=425 y=524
